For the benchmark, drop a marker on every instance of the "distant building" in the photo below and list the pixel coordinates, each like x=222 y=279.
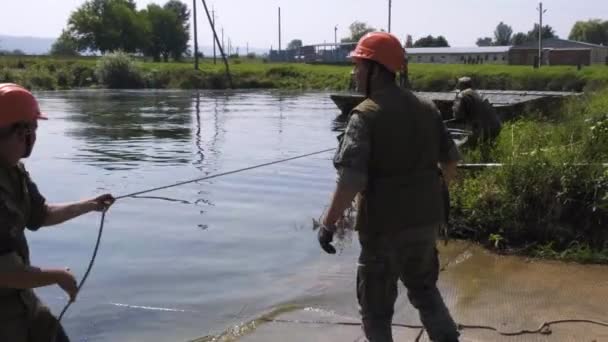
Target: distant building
x=560 y=52
x=460 y=55
x=318 y=53
x=555 y=52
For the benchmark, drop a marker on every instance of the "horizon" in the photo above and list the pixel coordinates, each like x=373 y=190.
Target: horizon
x=296 y=22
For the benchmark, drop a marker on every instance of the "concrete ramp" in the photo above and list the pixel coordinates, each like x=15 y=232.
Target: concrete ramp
x=483 y=291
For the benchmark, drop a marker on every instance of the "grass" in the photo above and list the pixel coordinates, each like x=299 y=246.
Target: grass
x=50 y=73
x=46 y=72
x=550 y=199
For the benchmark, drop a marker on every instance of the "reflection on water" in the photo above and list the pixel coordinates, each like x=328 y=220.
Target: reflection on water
x=201 y=254
x=119 y=127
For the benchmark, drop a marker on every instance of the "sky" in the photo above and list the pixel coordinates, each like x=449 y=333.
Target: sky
x=255 y=22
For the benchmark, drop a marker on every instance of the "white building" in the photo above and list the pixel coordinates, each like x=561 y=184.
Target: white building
x=460 y=55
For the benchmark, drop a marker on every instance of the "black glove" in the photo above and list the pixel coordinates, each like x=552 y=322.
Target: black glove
x=326 y=236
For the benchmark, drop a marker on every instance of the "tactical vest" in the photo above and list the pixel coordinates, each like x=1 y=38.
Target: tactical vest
x=404 y=187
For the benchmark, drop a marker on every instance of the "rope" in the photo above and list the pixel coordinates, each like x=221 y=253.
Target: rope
x=222 y=174
x=91 y=263
x=103 y=215
x=543 y=329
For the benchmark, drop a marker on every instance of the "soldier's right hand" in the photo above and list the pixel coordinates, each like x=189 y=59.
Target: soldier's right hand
x=66 y=280
x=326 y=236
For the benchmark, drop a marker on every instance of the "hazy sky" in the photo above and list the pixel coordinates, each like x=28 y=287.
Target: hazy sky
x=313 y=21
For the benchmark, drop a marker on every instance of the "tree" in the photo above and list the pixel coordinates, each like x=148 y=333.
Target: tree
x=65 y=45
x=430 y=41
x=487 y=41
x=502 y=34
x=178 y=46
x=107 y=25
x=547 y=33
x=162 y=27
x=593 y=31
x=295 y=44
x=180 y=9
x=357 y=30
x=519 y=38
x=409 y=42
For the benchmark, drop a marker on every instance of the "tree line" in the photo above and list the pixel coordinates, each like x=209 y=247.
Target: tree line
x=593 y=31
x=159 y=32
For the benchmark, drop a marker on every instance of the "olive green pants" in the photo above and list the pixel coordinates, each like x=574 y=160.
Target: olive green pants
x=410 y=256
x=18 y=324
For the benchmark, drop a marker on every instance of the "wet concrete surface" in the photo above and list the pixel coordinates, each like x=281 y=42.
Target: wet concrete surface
x=481 y=288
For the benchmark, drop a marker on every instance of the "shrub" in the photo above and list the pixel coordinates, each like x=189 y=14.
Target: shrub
x=119 y=71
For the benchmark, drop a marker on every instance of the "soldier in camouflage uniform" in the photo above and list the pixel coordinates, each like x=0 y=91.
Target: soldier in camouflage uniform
x=390 y=154
x=475 y=111
x=23 y=318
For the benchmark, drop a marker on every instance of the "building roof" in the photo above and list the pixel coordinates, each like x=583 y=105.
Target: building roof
x=332 y=44
x=557 y=43
x=458 y=50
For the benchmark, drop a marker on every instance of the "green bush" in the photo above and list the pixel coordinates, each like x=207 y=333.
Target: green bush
x=283 y=71
x=157 y=79
x=38 y=78
x=119 y=71
x=424 y=77
x=551 y=195
x=8 y=75
x=65 y=78
x=84 y=76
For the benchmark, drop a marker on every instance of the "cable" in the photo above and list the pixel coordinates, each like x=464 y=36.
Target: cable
x=544 y=328
x=103 y=215
x=91 y=263
x=222 y=174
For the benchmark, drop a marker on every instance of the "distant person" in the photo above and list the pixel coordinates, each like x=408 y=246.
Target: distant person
x=389 y=156
x=23 y=318
x=476 y=112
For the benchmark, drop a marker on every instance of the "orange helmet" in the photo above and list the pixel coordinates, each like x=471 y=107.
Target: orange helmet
x=17 y=104
x=381 y=47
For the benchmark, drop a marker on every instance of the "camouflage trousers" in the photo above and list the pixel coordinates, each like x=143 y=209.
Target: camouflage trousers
x=409 y=256
x=18 y=324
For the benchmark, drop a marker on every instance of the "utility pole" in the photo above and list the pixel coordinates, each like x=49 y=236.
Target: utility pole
x=390 y=9
x=336 y=42
x=213 y=24
x=223 y=42
x=228 y=75
x=195 y=36
x=541 y=11
x=336 y=35
x=248 y=48
x=279 y=32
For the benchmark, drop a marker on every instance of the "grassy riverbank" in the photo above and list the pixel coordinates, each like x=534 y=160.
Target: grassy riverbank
x=550 y=199
x=66 y=73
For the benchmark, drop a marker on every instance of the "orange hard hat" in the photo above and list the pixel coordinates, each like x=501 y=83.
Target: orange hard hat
x=17 y=104
x=381 y=47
